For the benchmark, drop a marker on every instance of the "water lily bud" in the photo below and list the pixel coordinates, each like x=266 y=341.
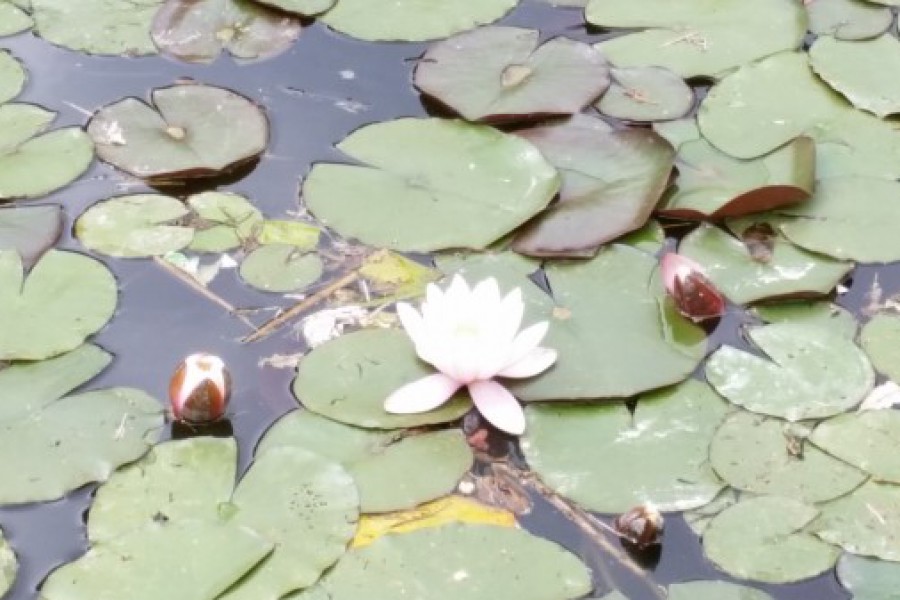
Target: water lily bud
x=641 y=526
x=199 y=389
x=694 y=294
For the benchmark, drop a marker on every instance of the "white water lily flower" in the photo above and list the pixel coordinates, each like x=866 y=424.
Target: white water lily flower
x=472 y=336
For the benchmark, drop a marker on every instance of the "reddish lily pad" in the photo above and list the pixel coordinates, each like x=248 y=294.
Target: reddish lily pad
x=30 y=230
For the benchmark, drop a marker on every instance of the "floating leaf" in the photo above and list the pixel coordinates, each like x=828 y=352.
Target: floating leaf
x=200 y=30
x=30 y=230
x=281 y=268
x=392 y=470
x=97 y=26
x=869 y=440
x=307 y=8
x=792 y=271
x=412 y=20
x=661 y=451
x=12 y=76
x=12 y=20
x=865 y=522
x=192 y=130
x=880 y=338
x=349 y=378
x=848 y=19
x=857 y=143
x=714 y=590
x=868 y=578
x=135 y=226
x=65 y=298
x=646 y=94
x=811 y=372
x=9 y=564
x=764 y=539
x=650 y=238
x=611 y=183
x=767 y=456
x=820 y=313
x=392 y=273
x=293 y=233
x=693 y=38
x=474 y=266
x=500 y=74
x=226 y=221
x=171 y=559
x=430 y=184
x=34 y=163
x=699 y=518
x=475 y=562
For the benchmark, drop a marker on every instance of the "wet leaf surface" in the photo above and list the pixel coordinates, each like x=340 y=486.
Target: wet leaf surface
x=646 y=94
x=866 y=522
x=13 y=19
x=848 y=19
x=281 y=268
x=868 y=578
x=114 y=27
x=30 y=230
x=868 y=440
x=820 y=313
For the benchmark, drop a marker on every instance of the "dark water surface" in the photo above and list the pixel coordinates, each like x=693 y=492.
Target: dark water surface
x=324 y=88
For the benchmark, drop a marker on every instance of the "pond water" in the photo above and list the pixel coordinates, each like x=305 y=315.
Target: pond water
x=323 y=88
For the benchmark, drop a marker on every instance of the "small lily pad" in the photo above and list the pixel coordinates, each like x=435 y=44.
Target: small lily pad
x=13 y=20
x=646 y=94
x=430 y=184
x=660 y=450
x=866 y=522
x=200 y=30
x=135 y=226
x=848 y=19
x=114 y=27
x=764 y=539
x=880 y=338
x=868 y=440
x=868 y=578
x=714 y=590
x=30 y=230
x=9 y=564
x=281 y=268
x=12 y=76
x=821 y=313
x=392 y=470
x=699 y=518
x=811 y=372
x=501 y=74
x=192 y=130
x=349 y=378
x=225 y=221
x=64 y=299
x=293 y=233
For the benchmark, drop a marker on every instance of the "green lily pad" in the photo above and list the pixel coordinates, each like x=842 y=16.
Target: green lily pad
x=135 y=226
x=199 y=30
x=848 y=19
x=764 y=539
x=412 y=20
x=281 y=268
x=856 y=70
x=879 y=338
x=857 y=143
x=699 y=518
x=695 y=37
x=114 y=27
x=501 y=74
x=475 y=562
x=714 y=590
x=430 y=184
x=175 y=481
x=474 y=266
x=50 y=446
x=12 y=76
x=9 y=564
x=34 y=163
x=609 y=461
x=611 y=181
x=766 y=456
x=392 y=470
x=224 y=221
x=791 y=272
x=307 y=8
x=293 y=233
x=192 y=130
x=868 y=578
x=650 y=238
x=820 y=313
x=868 y=440
x=646 y=94
x=65 y=298
x=865 y=522
x=811 y=372
x=170 y=559
x=30 y=230
x=13 y=20
x=349 y=378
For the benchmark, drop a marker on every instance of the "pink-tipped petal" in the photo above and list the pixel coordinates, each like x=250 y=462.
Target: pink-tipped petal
x=675 y=266
x=498 y=406
x=421 y=395
x=535 y=362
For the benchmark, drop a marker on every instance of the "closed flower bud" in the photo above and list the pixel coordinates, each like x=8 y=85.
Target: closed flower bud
x=694 y=294
x=199 y=389
x=641 y=526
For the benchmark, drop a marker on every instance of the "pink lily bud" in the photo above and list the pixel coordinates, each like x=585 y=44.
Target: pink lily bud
x=199 y=389
x=694 y=294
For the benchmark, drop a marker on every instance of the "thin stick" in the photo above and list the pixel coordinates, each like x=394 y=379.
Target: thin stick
x=293 y=312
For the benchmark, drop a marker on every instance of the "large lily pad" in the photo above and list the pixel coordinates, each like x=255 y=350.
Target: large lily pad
x=475 y=562
x=868 y=578
x=611 y=181
x=30 y=230
x=199 y=30
x=97 y=26
x=820 y=312
x=12 y=76
x=865 y=522
x=412 y=20
x=13 y=20
x=348 y=379
x=281 y=268
x=9 y=564
x=646 y=94
x=857 y=143
x=172 y=560
x=848 y=19
x=430 y=184
x=392 y=470
x=880 y=338
x=764 y=539
x=500 y=74
x=714 y=590
x=869 y=440
x=811 y=372
x=767 y=456
x=50 y=446
x=65 y=298
x=698 y=37
x=856 y=70
x=610 y=461
x=34 y=163
x=224 y=221
x=791 y=271
x=191 y=130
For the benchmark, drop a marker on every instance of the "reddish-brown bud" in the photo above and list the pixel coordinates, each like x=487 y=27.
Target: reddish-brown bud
x=199 y=389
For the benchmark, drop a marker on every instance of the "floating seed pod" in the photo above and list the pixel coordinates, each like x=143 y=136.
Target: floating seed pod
x=199 y=389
